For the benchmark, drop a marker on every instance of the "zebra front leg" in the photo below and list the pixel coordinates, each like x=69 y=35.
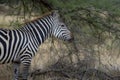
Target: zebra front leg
x=16 y=70
x=24 y=69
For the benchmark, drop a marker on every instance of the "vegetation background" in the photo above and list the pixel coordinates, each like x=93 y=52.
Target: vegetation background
x=93 y=55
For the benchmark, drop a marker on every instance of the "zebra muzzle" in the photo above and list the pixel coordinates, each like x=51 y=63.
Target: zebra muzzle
x=72 y=38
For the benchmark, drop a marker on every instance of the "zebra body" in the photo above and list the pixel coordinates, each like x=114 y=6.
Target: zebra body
x=11 y=43
x=20 y=45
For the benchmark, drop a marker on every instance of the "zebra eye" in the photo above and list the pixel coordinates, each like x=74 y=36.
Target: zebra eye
x=62 y=25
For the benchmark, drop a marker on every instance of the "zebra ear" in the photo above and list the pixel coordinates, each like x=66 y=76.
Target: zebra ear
x=55 y=14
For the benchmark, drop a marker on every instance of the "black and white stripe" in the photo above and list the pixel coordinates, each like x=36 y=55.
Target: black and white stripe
x=20 y=45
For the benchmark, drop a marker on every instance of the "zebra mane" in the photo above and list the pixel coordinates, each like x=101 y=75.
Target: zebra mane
x=40 y=17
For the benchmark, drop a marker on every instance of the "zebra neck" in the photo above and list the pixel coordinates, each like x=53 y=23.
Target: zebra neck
x=38 y=31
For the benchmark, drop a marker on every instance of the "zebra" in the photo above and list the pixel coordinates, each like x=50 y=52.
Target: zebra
x=19 y=46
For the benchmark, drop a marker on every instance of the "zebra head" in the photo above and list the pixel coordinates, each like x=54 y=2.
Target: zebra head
x=59 y=29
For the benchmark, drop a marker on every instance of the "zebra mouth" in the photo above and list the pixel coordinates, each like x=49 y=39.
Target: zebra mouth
x=71 y=39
